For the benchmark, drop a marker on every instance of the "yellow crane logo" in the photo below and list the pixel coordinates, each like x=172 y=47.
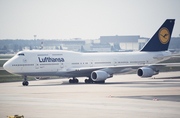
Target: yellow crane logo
x=164 y=35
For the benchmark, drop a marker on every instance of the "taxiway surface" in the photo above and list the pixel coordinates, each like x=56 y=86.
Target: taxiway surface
x=121 y=96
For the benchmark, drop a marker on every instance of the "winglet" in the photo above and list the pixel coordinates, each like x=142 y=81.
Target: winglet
x=160 y=40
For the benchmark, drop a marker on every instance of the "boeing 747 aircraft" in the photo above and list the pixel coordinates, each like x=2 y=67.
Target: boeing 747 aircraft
x=96 y=66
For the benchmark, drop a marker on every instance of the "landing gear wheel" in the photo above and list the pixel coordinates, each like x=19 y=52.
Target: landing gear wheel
x=88 y=81
x=25 y=82
x=70 y=81
x=74 y=80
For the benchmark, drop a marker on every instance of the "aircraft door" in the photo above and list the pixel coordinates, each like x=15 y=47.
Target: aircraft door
x=115 y=62
x=123 y=60
x=61 y=65
x=24 y=62
x=36 y=66
x=91 y=63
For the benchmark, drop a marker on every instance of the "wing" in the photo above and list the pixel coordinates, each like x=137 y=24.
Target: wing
x=86 y=71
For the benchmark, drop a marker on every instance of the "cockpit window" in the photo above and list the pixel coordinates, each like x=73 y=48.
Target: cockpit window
x=21 y=54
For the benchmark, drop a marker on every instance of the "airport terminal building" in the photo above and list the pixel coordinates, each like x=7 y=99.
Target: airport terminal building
x=134 y=42
x=103 y=44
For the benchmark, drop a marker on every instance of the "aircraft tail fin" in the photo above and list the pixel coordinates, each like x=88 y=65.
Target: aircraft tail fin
x=160 y=40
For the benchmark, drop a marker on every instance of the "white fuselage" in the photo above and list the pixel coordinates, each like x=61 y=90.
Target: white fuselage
x=58 y=63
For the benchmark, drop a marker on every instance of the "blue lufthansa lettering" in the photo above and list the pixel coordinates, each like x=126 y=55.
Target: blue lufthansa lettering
x=39 y=59
x=49 y=59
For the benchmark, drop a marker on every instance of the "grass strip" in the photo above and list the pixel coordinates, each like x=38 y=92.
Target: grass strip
x=8 y=77
x=2 y=62
x=5 y=57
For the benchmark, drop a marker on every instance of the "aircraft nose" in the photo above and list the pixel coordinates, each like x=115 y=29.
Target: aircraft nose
x=6 y=66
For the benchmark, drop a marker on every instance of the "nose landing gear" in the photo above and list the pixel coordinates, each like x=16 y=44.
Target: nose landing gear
x=25 y=82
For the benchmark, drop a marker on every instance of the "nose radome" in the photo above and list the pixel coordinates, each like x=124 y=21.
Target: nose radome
x=6 y=66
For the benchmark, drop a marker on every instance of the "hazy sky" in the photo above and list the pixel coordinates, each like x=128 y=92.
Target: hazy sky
x=86 y=19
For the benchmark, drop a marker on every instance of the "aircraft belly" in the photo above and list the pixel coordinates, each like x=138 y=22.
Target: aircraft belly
x=74 y=74
x=38 y=73
x=62 y=74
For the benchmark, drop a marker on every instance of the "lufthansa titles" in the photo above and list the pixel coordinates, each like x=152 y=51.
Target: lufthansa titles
x=49 y=59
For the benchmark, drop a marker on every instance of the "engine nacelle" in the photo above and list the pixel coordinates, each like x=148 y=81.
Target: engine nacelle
x=100 y=75
x=146 y=72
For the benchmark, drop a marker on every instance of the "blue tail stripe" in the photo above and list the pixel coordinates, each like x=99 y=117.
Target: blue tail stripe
x=160 y=40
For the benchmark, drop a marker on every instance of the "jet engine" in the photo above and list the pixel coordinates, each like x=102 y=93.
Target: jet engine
x=146 y=72
x=100 y=75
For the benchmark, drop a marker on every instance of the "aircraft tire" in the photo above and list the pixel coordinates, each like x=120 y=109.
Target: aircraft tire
x=76 y=81
x=73 y=81
x=25 y=83
x=70 y=81
x=88 y=81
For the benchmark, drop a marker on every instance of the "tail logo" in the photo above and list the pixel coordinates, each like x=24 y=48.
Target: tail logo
x=164 y=35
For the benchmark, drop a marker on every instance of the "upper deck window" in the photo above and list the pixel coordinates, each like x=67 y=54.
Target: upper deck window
x=21 y=54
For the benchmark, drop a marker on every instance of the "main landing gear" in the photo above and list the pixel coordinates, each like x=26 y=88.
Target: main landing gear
x=74 y=80
x=89 y=80
x=25 y=82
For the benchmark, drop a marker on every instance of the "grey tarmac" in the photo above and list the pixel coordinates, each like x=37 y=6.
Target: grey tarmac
x=126 y=96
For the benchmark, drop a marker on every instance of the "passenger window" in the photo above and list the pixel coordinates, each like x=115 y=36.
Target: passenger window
x=21 y=54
